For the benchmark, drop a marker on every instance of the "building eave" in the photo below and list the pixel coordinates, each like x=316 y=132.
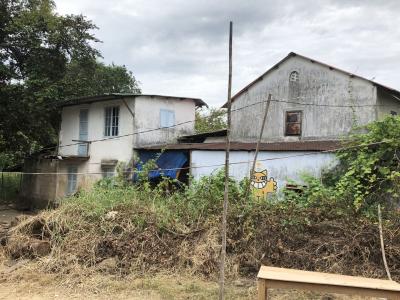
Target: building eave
x=319 y=145
x=116 y=96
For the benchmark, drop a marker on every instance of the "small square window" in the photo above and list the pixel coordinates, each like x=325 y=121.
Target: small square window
x=293 y=123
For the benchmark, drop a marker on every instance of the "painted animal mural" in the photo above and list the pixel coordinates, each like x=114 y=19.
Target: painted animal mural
x=262 y=185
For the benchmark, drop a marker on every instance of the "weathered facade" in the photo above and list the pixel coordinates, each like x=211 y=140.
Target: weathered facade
x=327 y=102
x=282 y=162
x=114 y=126
x=313 y=106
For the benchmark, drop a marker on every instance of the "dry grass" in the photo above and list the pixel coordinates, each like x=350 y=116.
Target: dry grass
x=142 y=242
x=28 y=283
x=167 y=246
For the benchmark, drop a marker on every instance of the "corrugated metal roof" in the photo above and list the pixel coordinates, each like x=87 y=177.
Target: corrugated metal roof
x=200 y=137
x=322 y=145
x=115 y=96
x=292 y=54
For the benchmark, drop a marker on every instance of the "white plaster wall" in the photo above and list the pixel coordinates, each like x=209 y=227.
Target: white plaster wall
x=119 y=148
x=147 y=117
x=318 y=85
x=289 y=165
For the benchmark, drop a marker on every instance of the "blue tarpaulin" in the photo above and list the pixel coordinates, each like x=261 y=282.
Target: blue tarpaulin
x=168 y=163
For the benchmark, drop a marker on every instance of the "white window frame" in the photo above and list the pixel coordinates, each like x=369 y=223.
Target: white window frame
x=111 y=129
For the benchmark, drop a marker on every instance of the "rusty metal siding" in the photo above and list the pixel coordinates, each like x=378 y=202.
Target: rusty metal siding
x=237 y=146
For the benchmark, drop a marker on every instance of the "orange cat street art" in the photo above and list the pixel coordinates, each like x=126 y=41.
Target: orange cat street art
x=261 y=185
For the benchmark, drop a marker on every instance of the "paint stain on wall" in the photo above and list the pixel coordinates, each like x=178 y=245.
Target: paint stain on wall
x=261 y=185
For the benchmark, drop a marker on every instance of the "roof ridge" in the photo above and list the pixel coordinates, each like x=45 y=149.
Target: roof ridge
x=292 y=54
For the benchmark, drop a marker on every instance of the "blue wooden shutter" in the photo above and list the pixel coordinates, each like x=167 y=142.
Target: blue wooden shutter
x=83 y=132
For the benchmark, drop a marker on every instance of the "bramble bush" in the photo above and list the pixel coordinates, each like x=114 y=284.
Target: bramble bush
x=368 y=172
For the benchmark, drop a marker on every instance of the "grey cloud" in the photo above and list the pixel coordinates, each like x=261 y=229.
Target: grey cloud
x=179 y=47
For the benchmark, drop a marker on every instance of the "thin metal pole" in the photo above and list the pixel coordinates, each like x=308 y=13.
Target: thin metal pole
x=258 y=143
x=226 y=190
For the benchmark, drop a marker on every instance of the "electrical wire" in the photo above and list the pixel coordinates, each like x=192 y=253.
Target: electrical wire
x=213 y=165
x=192 y=121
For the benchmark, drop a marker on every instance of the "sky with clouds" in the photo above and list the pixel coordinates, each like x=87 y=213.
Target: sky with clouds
x=180 y=47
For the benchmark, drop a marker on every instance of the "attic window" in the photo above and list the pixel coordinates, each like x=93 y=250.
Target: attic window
x=293 y=123
x=294 y=76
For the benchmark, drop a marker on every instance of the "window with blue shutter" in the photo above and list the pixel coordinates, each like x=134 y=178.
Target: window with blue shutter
x=167 y=118
x=72 y=179
x=83 y=132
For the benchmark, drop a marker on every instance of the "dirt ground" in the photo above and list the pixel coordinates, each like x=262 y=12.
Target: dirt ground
x=21 y=280
x=8 y=213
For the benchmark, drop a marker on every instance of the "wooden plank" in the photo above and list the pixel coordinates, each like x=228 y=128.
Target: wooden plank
x=290 y=275
x=262 y=289
x=325 y=288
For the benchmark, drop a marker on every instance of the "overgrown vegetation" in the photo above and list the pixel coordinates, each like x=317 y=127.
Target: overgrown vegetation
x=143 y=228
x=368 y=172
x=9 y=187
x=148 y=230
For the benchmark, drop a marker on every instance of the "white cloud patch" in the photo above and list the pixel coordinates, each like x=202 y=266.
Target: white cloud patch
x=179 y=47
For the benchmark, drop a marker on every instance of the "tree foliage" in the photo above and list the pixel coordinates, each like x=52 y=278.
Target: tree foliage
x=46 y=58
x=211 y=119
x=94 y=78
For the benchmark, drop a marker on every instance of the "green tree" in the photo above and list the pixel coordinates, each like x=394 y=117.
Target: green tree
x=46 y=58
x=95 y=78
x=210 y=119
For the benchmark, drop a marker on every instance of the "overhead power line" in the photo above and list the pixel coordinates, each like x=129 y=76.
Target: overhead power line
x=212 y=165
x=192 y=121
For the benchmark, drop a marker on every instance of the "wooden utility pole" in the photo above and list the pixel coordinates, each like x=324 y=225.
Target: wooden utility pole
x=258 y=143
x=382 y=243
x=226 y=190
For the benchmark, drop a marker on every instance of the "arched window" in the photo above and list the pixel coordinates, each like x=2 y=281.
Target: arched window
x=294 y=86
x=294 y=76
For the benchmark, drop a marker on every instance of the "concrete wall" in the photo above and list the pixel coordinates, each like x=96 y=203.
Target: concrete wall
x=386 y=104
x=318 y=85
x=289 y=166
x=84 y=180
x=38 y=190
x=146 y=117
x=147 y=113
